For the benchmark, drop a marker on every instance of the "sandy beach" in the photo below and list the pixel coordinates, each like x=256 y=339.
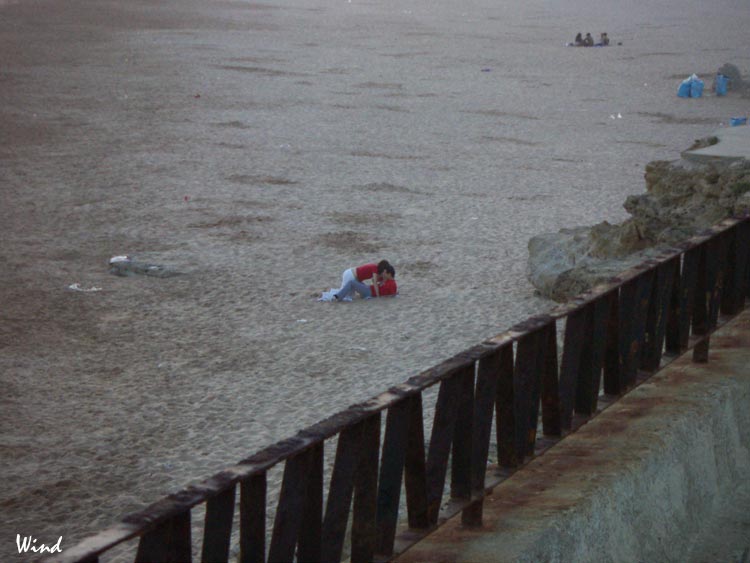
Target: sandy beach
x=260 y=149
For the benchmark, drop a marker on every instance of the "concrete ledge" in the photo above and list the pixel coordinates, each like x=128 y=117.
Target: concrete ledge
x=734 y=144
x=637 y=483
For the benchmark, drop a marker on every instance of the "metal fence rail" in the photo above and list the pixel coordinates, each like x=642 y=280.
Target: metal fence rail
x=615 y=335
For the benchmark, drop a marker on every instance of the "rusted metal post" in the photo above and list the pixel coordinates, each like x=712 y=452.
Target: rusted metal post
x=253 y=519
x=169 y=542
x=728 y=267
x=613 y=381
x=391 y=473
x=551 y=417
x=672 y=338
x=415 y=468
x=600 y=325
x=505 y=421
x=310 y=548
x=714 y=272
x=633 y=311
x=340 y=492
x=592 y=355
x=364 y=528
x=700 y=304
x=484 y=397
x=576 y=331
x=446 y=411
x=218 y=527
x=718 y=248
x=585 y=379
x=658 y=312
x=644 y=283
x=525 y=393
x=535 y=369
x=691 y=263
x=737 y=260
x=463 y=432
x=288 y=522
x=628 y=343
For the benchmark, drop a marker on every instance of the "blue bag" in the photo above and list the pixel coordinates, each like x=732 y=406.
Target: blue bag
x=684 y=90
x=721 y=85
x=696 y=87
x=691 y=87
x=735 y=121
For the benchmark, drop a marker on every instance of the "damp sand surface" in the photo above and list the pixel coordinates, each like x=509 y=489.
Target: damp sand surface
x=261 y=149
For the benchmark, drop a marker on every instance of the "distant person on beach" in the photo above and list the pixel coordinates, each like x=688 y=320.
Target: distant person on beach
x=579 y=40
x=588 y=41
x=604 y=39
x=382 y=275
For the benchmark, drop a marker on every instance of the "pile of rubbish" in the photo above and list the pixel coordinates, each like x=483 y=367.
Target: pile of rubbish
x=691 y=87
x=727 y=78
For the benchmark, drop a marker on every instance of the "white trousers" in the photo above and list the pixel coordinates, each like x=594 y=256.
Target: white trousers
x=346 y=277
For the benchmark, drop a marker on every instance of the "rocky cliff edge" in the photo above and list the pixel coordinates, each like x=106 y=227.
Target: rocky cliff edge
x=711 y=181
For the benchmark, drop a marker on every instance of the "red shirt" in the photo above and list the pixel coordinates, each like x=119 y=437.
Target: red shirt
x=366 y=272
x=387 y=287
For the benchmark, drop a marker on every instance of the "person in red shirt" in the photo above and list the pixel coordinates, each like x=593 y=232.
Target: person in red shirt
x=361 y=274
x=383 y=285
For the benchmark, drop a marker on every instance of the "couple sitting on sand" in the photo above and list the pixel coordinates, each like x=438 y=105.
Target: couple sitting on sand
x=352 y=281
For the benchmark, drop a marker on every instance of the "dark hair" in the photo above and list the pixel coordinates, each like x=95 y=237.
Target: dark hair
x=390 y=269
x=382 y=265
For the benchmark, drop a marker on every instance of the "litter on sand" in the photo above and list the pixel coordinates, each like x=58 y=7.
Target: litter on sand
x=124 y=265
x=691 y=87
x=77 y=287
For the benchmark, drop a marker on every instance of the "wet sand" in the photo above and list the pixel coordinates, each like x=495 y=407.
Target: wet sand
x=261 y=149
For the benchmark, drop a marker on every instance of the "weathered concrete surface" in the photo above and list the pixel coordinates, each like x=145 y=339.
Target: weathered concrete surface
x=734 y=143
x=662 y=475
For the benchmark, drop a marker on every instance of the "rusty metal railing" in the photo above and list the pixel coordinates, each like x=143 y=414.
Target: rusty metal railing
x=617 y=334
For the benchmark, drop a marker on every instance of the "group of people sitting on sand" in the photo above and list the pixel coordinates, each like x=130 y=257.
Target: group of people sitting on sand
x=588 y=41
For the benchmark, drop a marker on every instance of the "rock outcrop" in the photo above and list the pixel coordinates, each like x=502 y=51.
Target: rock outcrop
x=682 y=198
x=736 y=83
